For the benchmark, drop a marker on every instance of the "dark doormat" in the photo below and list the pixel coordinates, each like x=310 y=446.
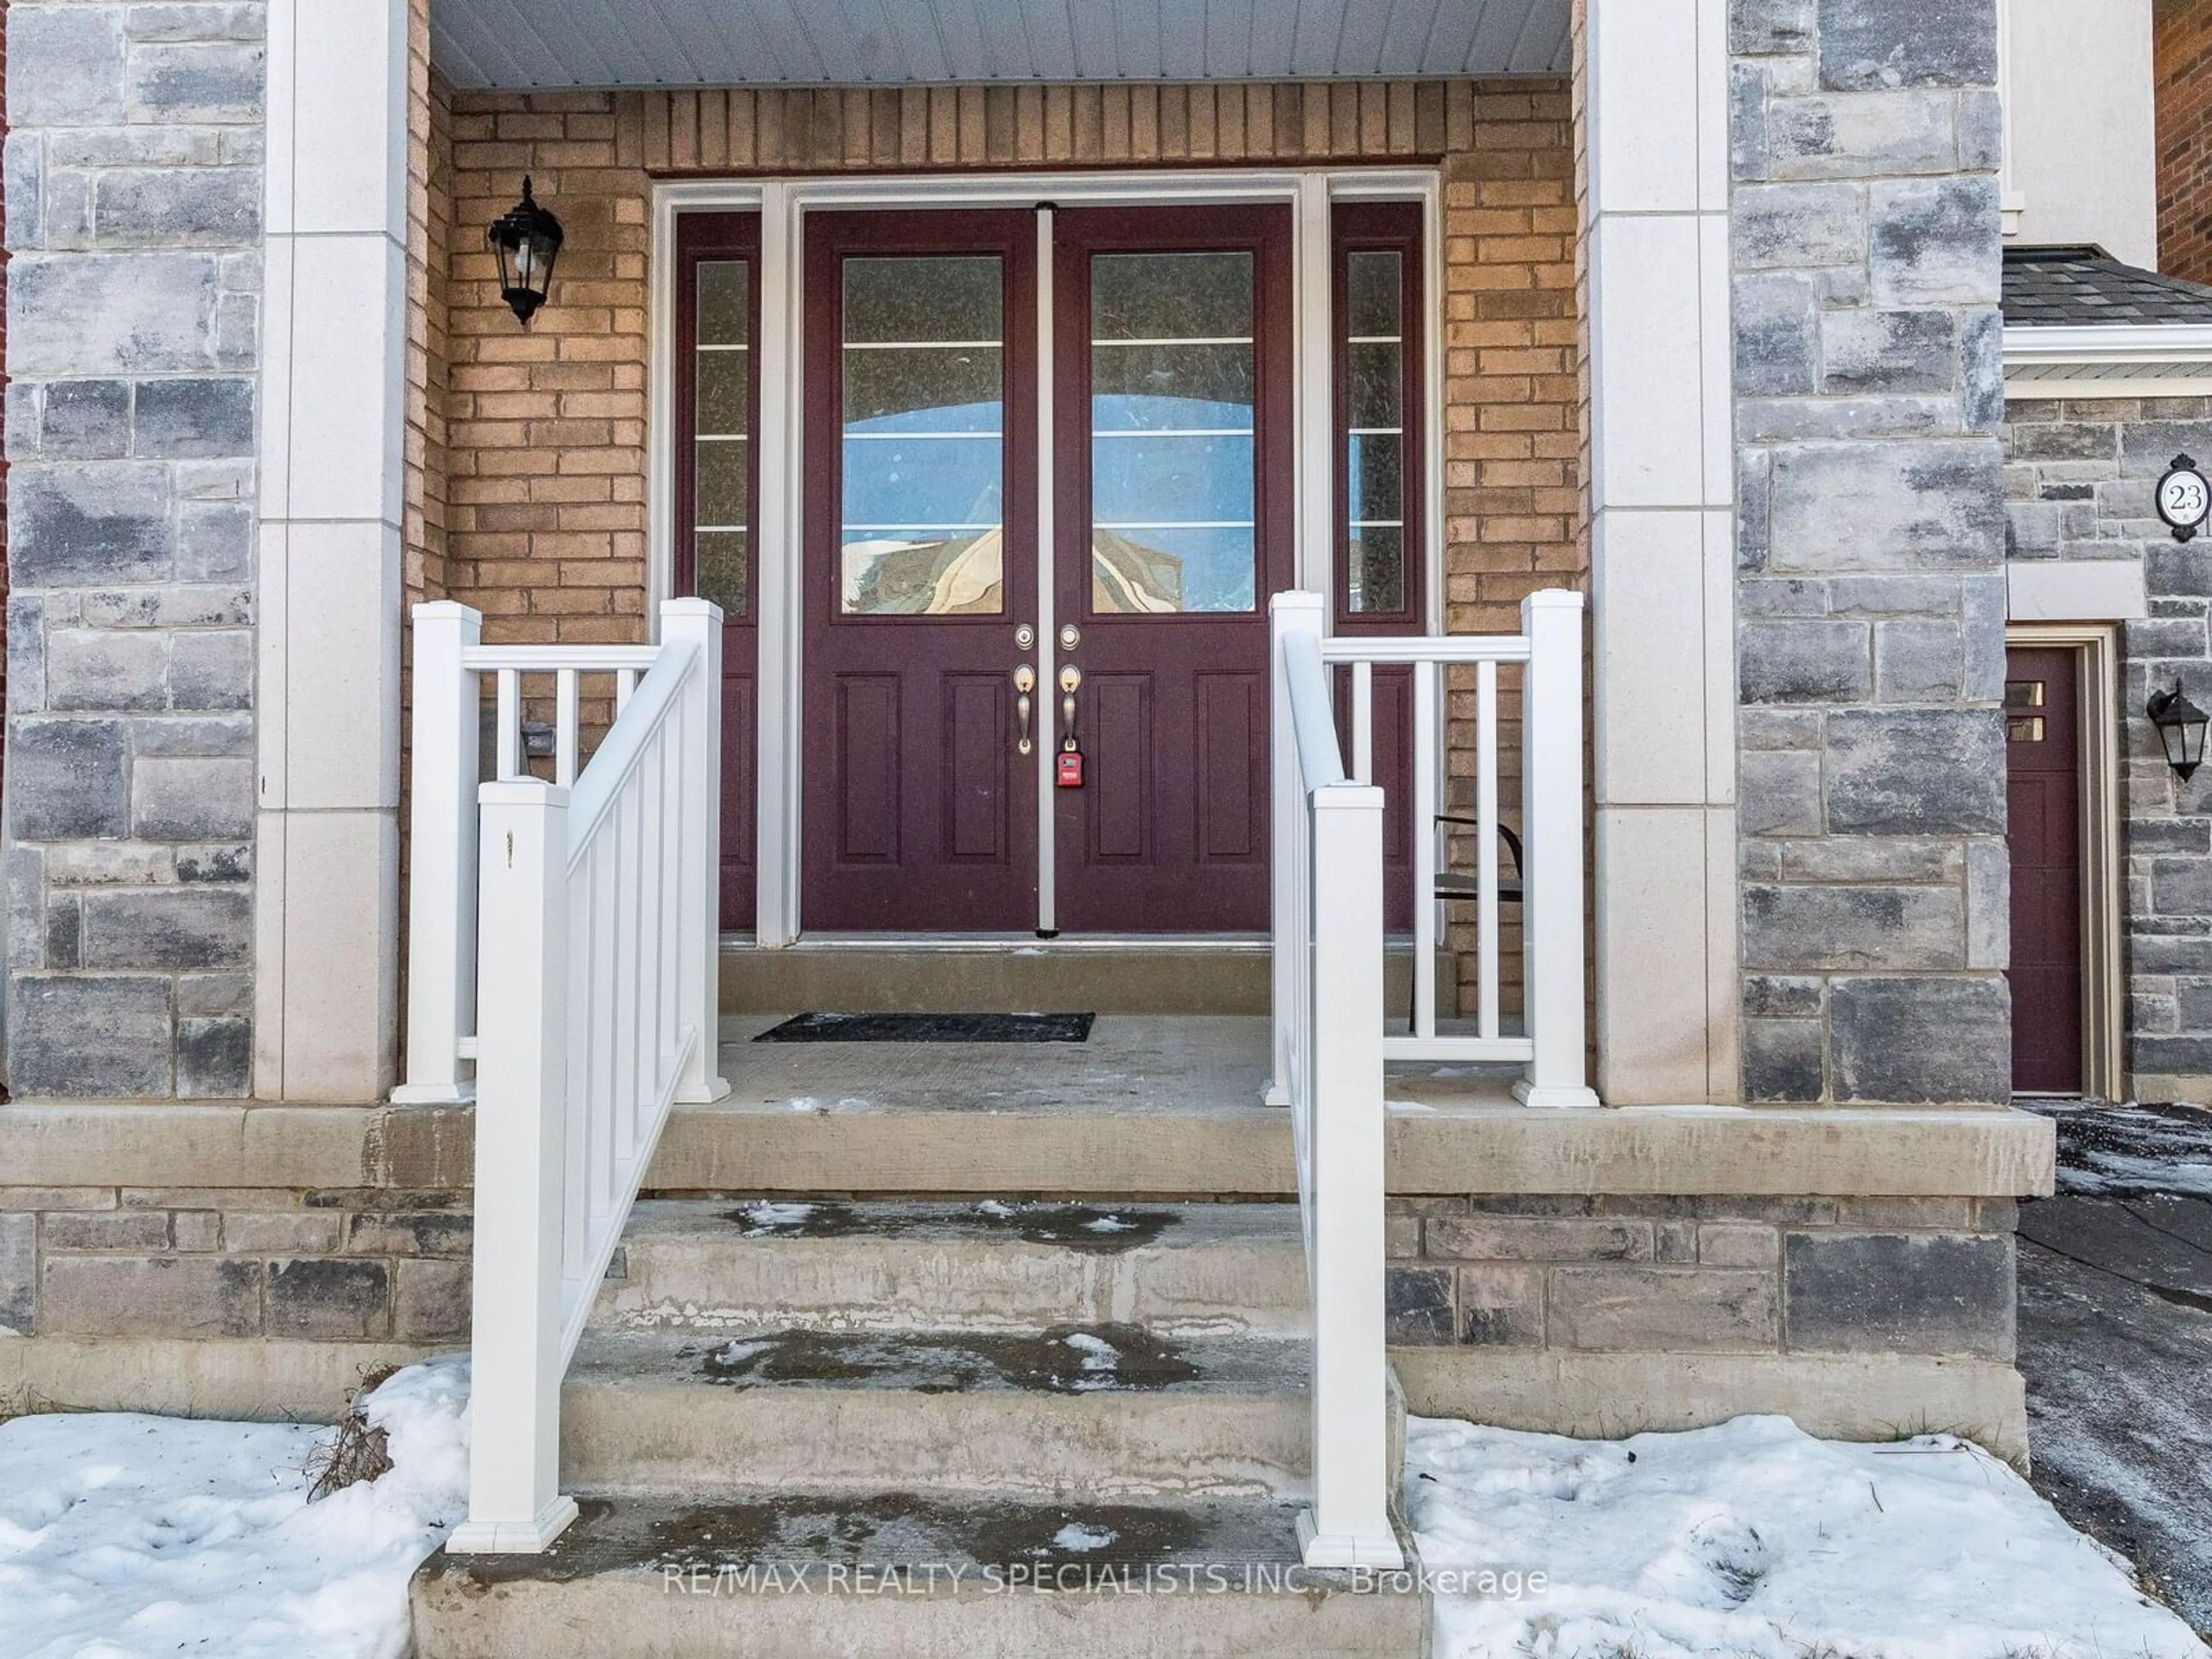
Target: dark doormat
x=931 y=1028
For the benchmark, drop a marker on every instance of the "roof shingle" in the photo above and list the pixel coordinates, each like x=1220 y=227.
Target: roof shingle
x=2081 y=287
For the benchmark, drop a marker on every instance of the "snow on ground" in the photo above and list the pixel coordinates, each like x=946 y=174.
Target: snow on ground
x=123 y=1535
x=1755 y=1541
x=2130 y=1150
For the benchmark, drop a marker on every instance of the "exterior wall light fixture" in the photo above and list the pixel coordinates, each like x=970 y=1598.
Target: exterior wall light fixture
x=2180 y=726
x=526 y=239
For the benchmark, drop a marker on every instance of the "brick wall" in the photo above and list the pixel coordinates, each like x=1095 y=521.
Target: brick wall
x=546 y=522
x=2182 y=55
x=546 y=426
x=430 y=219
x=134 y=226
x=2080 y=478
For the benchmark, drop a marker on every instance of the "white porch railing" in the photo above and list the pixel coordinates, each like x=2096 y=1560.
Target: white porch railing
x=585 y=908
x=1330 y=1045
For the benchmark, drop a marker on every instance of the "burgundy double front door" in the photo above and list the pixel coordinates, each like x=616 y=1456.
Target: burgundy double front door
x=1047 y=495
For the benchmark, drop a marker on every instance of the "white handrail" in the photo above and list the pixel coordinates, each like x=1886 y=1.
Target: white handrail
x=1549 y=1047
x=445 y=753
x=595 y=1006
x=1328 y=1000
x=1329 y=1045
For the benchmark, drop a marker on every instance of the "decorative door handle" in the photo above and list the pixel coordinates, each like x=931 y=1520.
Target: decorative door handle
x=1025 y=682
x=1070 y=678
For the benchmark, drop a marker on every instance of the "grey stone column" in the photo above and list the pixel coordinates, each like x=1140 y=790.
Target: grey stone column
x=134 y=191
x=1864 y=147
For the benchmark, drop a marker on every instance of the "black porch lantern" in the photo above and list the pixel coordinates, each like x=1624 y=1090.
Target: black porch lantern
x=2180 y=727
x=526 y=238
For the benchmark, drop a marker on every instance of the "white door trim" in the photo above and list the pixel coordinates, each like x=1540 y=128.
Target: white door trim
x=782 y=205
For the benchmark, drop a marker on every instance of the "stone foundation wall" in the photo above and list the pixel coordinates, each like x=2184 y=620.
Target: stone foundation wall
x=2080 y=479
x=334 y=1265
x=229 y=1270
x=1610 y=1274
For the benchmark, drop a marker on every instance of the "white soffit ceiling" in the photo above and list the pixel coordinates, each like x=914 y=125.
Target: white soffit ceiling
x=517 y=44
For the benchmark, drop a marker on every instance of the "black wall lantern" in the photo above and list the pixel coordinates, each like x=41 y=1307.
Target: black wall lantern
x=2180 y=727
x=526 y=238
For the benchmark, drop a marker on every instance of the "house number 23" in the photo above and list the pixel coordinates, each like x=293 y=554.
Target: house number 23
x=2184 y=498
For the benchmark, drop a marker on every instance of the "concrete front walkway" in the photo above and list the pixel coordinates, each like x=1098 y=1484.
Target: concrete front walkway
x=2115 y=1341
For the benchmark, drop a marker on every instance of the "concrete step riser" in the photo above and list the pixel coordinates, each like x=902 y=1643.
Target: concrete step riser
x=642 y=1439
x=896 y=1283
x=634 y=1615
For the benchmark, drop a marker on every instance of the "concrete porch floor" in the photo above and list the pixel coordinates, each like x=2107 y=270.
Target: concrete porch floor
x=1170 y=1106
x=1202 y=1064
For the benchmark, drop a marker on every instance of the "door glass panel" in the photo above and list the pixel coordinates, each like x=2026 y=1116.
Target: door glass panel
x=1171 y=450
x=923 y=369
x=1375 y=435
x=722 y=427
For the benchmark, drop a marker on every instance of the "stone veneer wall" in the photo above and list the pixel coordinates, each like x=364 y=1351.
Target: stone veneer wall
x=133 y=168
x=1871 y=604
x=1932 y=1276
x=3 y=379
x=365 y=1265
x=2078 y=484
x=546 y=456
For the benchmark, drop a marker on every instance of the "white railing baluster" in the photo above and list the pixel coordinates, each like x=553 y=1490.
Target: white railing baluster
x=595 y=946
x=1363 y=722
x=567 y=724
x=507 y=742
x=1426 y=753
x=441 y=899
x=1486 y=847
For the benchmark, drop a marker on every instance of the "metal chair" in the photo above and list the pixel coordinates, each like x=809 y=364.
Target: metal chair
x=1451 y=888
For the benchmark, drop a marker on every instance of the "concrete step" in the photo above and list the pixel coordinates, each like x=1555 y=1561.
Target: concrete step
x=986 y=1578
x=968 y=1265
x=1135 y=976
x=1148 y=1107
x=1096 y=1412
x=1228 y=975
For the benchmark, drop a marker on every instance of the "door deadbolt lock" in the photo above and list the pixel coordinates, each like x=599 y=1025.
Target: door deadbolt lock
x=1024 y=637
x=1070 y=636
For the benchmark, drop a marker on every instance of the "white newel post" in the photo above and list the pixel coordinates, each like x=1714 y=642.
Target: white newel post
x=1290 y=613
x=441 y=904
x=515 y=1504
x=699 y=836
x=1350 y=1522
x=1551 y=835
